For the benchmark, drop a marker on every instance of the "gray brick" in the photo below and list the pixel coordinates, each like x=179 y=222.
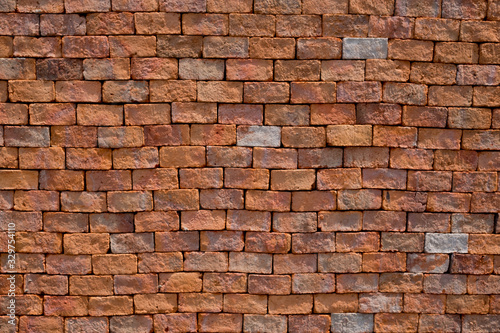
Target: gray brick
x=259 y=136
x=364 y=48
x=352 y=322
x=446 y=243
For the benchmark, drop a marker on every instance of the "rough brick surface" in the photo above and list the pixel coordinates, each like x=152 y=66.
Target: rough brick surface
x=250 y=165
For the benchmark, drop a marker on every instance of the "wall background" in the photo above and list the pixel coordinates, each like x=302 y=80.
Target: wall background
x=257 y=166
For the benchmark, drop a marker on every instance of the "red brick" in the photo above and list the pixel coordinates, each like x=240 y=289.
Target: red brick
x=13 y=114
x=339 y=179
x=192 y=302
x=269 y=284
x=41 y=324
x=314 y=92
x=221 y=199
x=31 y=91
x=181 y=282
x=132 y=46
x=456 y=53
x=266 y=92
x=405 y=93
x=225 y=283
x=68 y=264
x=74 y=136
x=298 y=26
x=313 y=242
x=445 y=323
x=213 y=135
x=242 y=303
x=246 y=178
x=345 y=25
x=335 y=303
x=252 y=25
x=358 y=242
x=268 y=200
x=248 y=220
x=290 y=304
x=180 y=322
x=239 y=6
x=333 y=114
x=203 y=220
x=182 y=199
x=108 y=222
x=433 y=73
x=313 y=200
x=411 y=158
x=437 y=29
x=404 y=201
x=225 y=47
x=20 y=24
x=205 y=24
x=342 y=70
x=364 y=282
x=387 y=322
x=36 y=200
x=391 y=27
x=371 y=7
x=157 y=23
x=319 y=48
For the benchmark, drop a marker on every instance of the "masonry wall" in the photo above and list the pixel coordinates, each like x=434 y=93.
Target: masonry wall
x=256 y=166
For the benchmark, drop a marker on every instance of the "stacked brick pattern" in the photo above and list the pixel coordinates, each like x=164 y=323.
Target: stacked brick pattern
x=256 y=166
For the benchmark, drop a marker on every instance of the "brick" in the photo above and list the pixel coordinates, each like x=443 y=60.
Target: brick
x=147 y=114
x=339 y=221
x=248 y=220
x=258 y=323
x=88 y=158
x=401 y=282
x=109 y=222
x=297 y=70
x=181 y=282
x=36 y=200
x=13 y=114
x=474 y=182
x=41 y=158
x=132 y=242
x=396 y=322
x=135 y=158
x=336 y=303
x=351 y=322
x=151 y=68
x=37 y=47
x=91 y=285
x=6 y=46
x=332 y=114
x=303 y=137
x=24 y=136
x=183 y=6
x=483 y=323
x=466 y=304
x=392 y=221
x=68 y=264
x=310 y=322
x=135 y=322
x=182 y=199
x=220 y=91
x=260 y=136
x=290 y=304
x=159 y=262
x=62 y=25
x=359 y=92
x=404 y=201
x=20 y=24
x=225 y=47
x=272 y=48
x=83 y=201
x=487 y=53
x=319 y=48
x=371 y=7
x=411 y=158
x=478 y=75
x=229 y=7
x=212 y=220
x=85 y=47
x=384 y=262
x=130 y=201
x=414 y=50
x=111 y=305
x=17 y=179
x=268 y=200
x=251 y=25
x=294 y=222
x=229 y=156
x=157 y=23
x=205 y=24
x=471 y=264
x=358 y=242
x=226 y=283
x=9 y=157
x=41 y=324
x=405 y=93
x=125 y=91
x=483 y=244
x=114 y=264
x=339 y=179
x=359 y=199
x=464 y=9
x=313 y=242
x=106 y=69
x=298 y=25
x=110 y=23
x=450 y=96
x=349 y=135
x=220 y=322
x=246 y=178
x=455 y=160
x=200 y=302
x=472 y=223
x=269 y=284
x=108 y=180
x=52 y=114
x=175 y=321
x=437 y=29
x=241 y=303
x=428 y=263
x=31 y=91
x=485 y=96
x=423 y=303
x=107 y=115
x=178 y=46
x=391 y=27
x=313 y=201
x=313 y=283
x=342 y=70
x=132 y=46
x=266 y=92
x=384 y=178
x=431 y=8
x=93 y=325
x=157 y=179
x=277 y=7
x=380 y=302
x=456 y=52
x=473 y=118
x=345 y=25
x=250 y=262
x=65 y=222
x=168 y=135
x=364 y=48
x=270 y=243
x=221 y=199
x=135 y=284
x=348 y=283
x=429 y=181
x=433 y=73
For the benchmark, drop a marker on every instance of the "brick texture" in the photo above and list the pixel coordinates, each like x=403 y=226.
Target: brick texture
x=250 y=165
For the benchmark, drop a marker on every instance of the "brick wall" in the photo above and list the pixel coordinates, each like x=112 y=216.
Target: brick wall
x=256 y=166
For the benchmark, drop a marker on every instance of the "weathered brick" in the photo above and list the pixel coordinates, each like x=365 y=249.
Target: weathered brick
x=364 y=48
x=156 y=23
